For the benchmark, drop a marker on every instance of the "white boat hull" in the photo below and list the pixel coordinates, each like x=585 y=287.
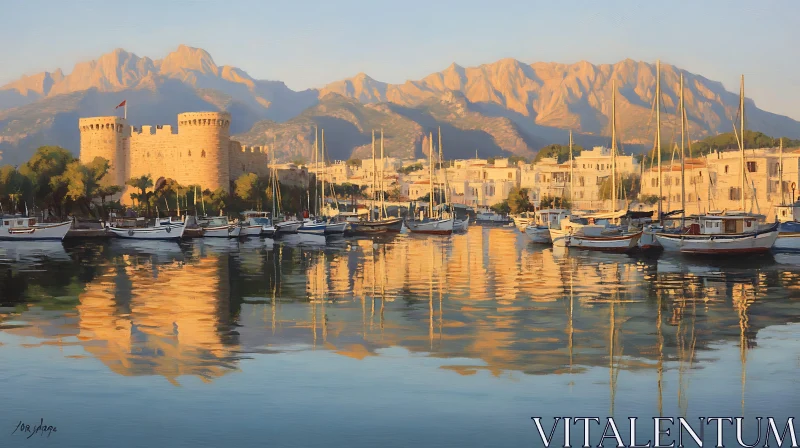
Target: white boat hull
x=539 y=235
x=648 y=240
x=718 y=244
x=250 y=230
x=171 y=232
x=522 y=223
x=621 y=243
x=335 y=228
x=54 y=232
x=460 y=225
x=221 y=232
x=287 y=227
x=437 y=227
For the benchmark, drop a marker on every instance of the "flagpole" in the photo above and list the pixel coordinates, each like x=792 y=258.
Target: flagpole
x=125 y=110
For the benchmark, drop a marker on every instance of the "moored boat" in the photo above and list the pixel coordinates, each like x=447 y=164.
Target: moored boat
x=432 y=226
x=287 y=227
x=219 y=227
x=312 y=227
x=159 y=232
x=386 y=225
x=18 y=228
x=539 y=229
x=460 y=225
x=723 y=233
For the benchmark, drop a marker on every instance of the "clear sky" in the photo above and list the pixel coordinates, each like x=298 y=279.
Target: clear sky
x=310 y=43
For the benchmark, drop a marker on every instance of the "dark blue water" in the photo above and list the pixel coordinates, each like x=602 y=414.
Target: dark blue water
x=407 y=341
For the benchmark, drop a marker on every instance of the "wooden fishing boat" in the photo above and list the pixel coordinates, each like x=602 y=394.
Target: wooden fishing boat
x=159 y=232
x=721 y=234
x=432 y=226
x=219 y=227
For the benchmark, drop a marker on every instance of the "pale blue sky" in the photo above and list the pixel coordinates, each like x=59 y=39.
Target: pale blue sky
x=310 y=43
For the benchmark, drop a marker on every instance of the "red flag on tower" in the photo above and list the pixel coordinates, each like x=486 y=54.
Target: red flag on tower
x=124 y=104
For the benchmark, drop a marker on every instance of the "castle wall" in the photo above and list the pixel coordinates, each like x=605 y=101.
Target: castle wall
x=200 y=152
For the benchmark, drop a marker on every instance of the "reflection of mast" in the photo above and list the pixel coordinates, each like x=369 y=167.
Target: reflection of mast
x=611 y=358
x=742 y=304
x=660 y=365
x=430 y=302
x=570 y=328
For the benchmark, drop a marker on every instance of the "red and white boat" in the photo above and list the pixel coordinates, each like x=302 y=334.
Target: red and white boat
x=18 y=228
x=723 y=233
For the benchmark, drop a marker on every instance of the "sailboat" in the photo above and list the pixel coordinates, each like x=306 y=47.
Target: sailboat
x=332 y=227
x=432 y=225
x=726 y=232
x=539 y=230
x=287 y=226
x=585 y=235
x=648 y=240
x=314 y=225
x=383 y=224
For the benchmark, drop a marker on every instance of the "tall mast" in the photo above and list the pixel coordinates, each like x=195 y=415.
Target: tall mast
x=658 y=138
x=374 y=186
x=324 y=173
x=444 y=170
x=274 y=181
x=316 y=171
x=780 y=169
x=683 y=162
x=571 y=177
x=613 y=146
x=383 y=194
x=430 y=172
x=741 y=140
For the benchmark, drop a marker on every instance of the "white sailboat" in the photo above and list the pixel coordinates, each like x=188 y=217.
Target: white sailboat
x=18 y=228
x=159 y=232
x=545 y=219
x=723 y=233
x=433 y=225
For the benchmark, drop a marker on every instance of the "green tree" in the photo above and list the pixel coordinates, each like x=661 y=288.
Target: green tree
x=649 y=199
x=14 y=187
x=249 y=188
x=561 y=152
x=45 y=164
x=513 y=160
x=142 y=183
x=554 y=202
x=501 y=207
x=411 y=168
x=518 y=200
x=354 y=163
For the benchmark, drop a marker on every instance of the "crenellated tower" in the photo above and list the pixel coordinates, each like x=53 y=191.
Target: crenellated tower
x=105 y=137
x=206 y=136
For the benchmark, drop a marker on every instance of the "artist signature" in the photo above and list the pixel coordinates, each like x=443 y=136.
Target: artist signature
x=40 y=429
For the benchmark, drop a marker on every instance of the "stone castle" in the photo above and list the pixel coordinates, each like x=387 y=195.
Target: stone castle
x=201 y=152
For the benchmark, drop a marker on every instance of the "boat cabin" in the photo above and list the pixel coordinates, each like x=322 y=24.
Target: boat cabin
x=253 y=217
x=17 y=222
x=216 y=221
x=551 y=218
x=729 y=223
x=788 y=213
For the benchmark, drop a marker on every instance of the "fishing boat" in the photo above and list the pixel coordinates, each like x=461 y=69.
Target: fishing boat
x=539 y=230
x=19 y=228
x=612 y=242
x=720 y=233
x=461 y=225
x=432 y=226
x=492 y=218
x=219 y=227
x=386 y=225
x=312 y=227
x=334 y=228
x=288 y=227
x=254 y=223
x=723 y=233
x=523 y=220
x=158 y=232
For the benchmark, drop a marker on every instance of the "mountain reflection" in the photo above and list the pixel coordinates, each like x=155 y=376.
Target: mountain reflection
x=487 y=299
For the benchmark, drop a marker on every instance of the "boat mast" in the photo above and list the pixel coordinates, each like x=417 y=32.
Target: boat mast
x=683 y=162
x=374 y=186
x=316 y=171
x=613 y=146
x=741 y=140
x=658 y=139
x=780 y=169
x=274 y=181
x=383 y=193
x=444 y=170
x=430 y=173
x=324 y=173
x=571 y=177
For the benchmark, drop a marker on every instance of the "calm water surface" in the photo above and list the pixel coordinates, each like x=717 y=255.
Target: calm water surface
x=405 y=341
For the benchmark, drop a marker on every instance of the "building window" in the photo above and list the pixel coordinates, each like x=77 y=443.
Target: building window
x=203 y=154
x=190 y=153
x=510 y=175
x=751 y=167
x=735 y=194
x=581 y=182
x=726 y=169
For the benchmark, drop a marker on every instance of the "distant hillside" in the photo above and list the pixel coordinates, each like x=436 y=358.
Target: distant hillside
x=506 y=107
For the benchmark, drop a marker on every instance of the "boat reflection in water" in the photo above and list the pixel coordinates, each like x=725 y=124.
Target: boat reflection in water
x=482 y=303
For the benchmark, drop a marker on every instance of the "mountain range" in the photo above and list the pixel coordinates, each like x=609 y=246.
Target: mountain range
x=506 y=107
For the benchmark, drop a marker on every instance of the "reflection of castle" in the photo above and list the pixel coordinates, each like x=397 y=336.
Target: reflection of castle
x=200 y=153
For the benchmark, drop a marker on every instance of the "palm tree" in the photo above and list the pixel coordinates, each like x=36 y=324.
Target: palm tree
x=142 y=183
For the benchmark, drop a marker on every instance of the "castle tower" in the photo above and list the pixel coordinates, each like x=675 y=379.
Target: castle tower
x=105 y=137
x=206 y=135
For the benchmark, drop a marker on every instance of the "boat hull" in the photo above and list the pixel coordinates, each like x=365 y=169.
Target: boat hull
x=285 y=228
x=44 y=232
x=389 y=225
x=522 y=223
x=622 y=243
x=312 y=228
x=460 y=225
x=787 y=241
x=222 y=232
x=336 y=228
x=757 y=242
x=648 y=241
x=437 y=227
x=250 y=230
x=171 y=232
x=538 y=235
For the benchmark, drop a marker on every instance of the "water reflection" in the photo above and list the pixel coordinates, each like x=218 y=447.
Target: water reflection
x=485 y=300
